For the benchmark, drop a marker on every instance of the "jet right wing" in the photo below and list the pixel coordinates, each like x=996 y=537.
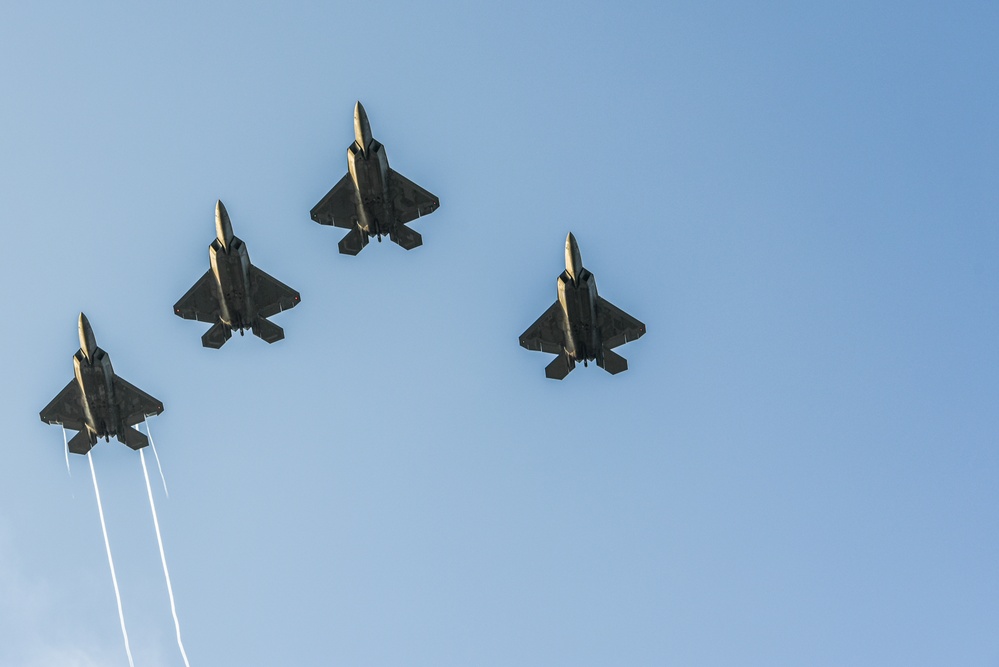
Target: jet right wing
x=546 y=334
x=201 y=301
x=410 y=200
x=66 y=408
x=269 y=294
x=616 y=326
x=133 y=403
x=337 y=207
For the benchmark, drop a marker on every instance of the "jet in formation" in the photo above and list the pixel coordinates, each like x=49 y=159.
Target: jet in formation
x=98 y=403
x=234 y=294
x=372 y=199
x=581 y=326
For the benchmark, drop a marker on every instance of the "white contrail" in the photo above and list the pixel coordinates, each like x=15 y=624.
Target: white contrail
x=166 y=573
x=107 y=545
x=158 y=466
x=66 y=443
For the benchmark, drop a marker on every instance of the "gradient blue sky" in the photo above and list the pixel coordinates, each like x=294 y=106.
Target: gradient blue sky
x=798 y=199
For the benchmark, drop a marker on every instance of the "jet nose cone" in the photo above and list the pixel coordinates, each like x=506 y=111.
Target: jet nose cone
x=573 y=262
x=362 y=129
x=87 y=342
x=223 y=226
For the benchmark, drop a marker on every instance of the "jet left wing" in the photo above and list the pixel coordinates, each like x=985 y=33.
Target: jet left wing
x=546 y=334
x=66 y=408
x=337 y=207
x=201 y=301
x=133 y=403
x=410 y=200
x=269 y=294
x=616 y=326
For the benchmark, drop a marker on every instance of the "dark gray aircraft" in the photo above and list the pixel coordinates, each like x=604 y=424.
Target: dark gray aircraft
x=581 y=326
x=98 y=403
x=234 y=294
x=372 y=199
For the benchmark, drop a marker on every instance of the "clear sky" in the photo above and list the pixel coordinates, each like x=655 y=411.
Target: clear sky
x=798 y=199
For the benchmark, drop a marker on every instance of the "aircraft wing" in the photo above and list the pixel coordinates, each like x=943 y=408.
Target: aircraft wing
x=616 y=326
x=269 y=294
x=546 y=334
x=410 y=200
x=133 y=403
x=337 y=207
x=201 y=301
x=66 y=408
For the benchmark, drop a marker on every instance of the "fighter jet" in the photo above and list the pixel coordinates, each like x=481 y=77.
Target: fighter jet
x=234 y=294
x=372 y=199
x=98 y=403
x=580 y=325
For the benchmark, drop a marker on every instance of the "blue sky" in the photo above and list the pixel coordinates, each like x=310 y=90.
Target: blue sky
x=798 y=199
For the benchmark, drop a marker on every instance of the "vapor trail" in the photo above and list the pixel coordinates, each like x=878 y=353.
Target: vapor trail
x=166 y=573
x=158 y=466
x=65 y=442
x=107 y=545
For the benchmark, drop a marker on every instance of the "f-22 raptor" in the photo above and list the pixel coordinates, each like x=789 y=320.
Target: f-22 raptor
x=234 y=294
x=581 y=326
x=372 y=199
x=98 y=403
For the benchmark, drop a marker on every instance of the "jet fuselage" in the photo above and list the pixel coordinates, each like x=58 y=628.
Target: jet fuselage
x=231 y=266
x=369 y=170
x=578 y=299
x=95 y=377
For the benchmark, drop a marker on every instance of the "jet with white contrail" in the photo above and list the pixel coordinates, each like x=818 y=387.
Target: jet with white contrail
x=98 y=403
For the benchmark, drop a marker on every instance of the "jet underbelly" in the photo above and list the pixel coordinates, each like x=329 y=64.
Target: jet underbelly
x=580 y=320
x=369 y=176
x=97 y=399
x=232 y=285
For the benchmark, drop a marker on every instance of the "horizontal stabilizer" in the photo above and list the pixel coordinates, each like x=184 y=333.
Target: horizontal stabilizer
x=560 y=366
x=133 y=438
x=81 y=442
x=216 y=336
x=354 y=242
x=612 y=362
x=267 y=330
x=406 y=237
